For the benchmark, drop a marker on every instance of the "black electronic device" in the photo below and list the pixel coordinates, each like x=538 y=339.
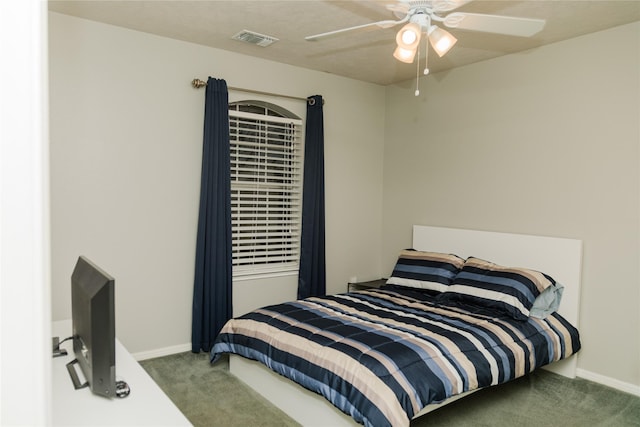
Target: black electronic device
x=94 y=330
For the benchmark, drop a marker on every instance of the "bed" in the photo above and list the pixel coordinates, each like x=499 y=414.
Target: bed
x=357 y=351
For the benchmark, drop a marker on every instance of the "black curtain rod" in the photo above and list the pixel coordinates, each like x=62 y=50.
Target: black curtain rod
x=197 y=83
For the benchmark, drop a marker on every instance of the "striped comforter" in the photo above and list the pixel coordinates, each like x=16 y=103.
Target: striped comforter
x=382 y=355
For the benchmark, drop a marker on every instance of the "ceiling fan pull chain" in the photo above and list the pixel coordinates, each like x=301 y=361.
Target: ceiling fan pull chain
x=417 y=92
x=426 y=58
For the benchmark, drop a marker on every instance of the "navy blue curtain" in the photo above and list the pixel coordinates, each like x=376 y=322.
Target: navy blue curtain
x=312 y=274
x=212 y=303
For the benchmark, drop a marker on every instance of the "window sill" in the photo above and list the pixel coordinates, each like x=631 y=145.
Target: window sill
x=263 y=275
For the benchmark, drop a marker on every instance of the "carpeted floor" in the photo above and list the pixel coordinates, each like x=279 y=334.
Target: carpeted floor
x=210 y=396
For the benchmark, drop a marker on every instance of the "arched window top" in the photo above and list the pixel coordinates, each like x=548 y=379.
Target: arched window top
x=263 y=108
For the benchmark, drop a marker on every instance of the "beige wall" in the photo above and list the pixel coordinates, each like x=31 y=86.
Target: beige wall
x=126 y=141
x=544 y=142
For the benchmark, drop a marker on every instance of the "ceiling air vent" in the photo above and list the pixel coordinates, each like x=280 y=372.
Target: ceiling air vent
x=254 y=38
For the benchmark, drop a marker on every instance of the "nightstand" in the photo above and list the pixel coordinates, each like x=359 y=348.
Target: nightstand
x=358 y=286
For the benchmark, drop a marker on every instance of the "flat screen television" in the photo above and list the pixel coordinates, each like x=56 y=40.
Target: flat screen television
x=94 y=329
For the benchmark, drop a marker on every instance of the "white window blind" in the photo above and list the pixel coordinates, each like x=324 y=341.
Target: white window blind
x=266 y=191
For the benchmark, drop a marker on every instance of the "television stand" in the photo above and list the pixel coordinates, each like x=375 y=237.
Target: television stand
x=71 y=368
x=146 y=405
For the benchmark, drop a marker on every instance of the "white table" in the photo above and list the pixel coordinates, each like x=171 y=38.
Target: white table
x=146 y=404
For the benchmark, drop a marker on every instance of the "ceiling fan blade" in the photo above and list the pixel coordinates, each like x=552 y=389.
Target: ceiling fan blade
x=379 y=24
x=508 y=25
x=440 y=6
x=401 y=8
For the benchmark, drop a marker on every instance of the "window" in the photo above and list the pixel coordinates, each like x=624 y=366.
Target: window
x=266 y=188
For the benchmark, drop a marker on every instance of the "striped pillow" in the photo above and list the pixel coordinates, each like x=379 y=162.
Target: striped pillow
x=483 y=283
x=425 y=270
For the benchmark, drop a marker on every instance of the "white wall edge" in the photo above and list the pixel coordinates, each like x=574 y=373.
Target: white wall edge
x=160 y=352
x=608 y=381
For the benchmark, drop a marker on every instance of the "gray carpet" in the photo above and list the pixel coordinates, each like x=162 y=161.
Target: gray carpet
x=210 y=396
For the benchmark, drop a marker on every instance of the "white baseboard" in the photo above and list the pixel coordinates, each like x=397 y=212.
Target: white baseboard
x=166 y=351
x=609 y=382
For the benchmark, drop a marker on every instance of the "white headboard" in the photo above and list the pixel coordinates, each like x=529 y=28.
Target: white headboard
x=560 y=258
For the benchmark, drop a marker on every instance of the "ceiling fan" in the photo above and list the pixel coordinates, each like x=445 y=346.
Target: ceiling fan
x=420 y=17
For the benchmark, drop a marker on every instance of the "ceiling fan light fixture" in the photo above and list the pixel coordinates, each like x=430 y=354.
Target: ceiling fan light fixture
x=404 y=55
x=409 y=36
x=441 y=40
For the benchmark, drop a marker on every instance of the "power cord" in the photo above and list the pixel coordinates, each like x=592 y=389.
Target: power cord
x=66 y=339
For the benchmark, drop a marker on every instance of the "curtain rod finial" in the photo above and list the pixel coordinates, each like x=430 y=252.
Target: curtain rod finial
x=197 y=83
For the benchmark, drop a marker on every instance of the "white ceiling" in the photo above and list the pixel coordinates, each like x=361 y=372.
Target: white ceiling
x=365 y=55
